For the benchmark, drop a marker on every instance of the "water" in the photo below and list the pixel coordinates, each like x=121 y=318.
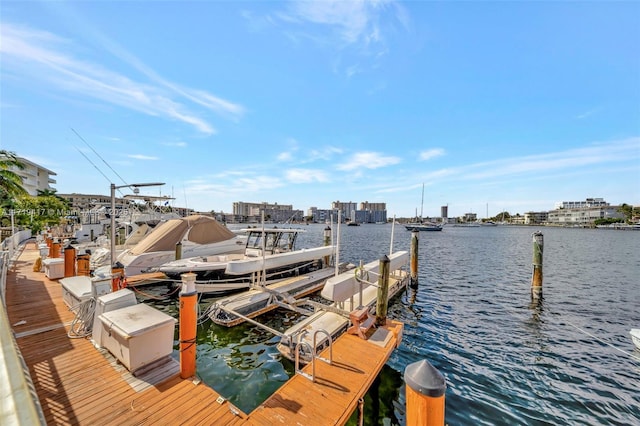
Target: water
x=567 y=360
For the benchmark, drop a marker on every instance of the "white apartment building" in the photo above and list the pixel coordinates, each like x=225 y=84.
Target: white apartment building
x=34 y=177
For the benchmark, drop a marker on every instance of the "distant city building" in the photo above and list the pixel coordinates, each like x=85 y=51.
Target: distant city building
x=34 y=177
x=320 y=215
x=470 y=217
x=252 y=212
x=589 y=202
x=444 y=212
x=347 y=210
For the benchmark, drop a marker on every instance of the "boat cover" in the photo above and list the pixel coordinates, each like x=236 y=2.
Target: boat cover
x=195 y=228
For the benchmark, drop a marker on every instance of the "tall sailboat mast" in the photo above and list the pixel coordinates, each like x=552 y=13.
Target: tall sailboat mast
x=422 y=202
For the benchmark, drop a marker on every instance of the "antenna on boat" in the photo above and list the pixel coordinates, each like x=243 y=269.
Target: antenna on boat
x=96 y=167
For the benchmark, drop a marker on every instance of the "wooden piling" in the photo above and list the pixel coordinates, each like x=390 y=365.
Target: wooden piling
x=536 y=279
x=179 y=250
x=188 y=325
x=327 y=242
x=383 y=292
x=83 y=265
x=414 y=259
x=425 y=395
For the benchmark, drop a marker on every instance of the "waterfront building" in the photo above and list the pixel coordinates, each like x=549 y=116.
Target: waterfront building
x=589 y=202
x=34 y=177
x=535 y=218
x=583 y=216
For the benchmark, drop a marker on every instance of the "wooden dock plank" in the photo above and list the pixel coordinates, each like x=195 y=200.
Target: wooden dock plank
x=78 y=384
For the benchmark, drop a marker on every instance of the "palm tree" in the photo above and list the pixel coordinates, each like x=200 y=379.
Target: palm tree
x=10 y=182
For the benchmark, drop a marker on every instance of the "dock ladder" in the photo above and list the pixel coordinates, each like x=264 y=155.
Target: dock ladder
x=314 y=356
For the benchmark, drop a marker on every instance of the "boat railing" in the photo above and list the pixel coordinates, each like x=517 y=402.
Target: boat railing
x=314 y=356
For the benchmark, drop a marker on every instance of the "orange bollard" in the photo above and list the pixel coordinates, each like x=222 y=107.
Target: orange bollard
x=55 y=250
x=424 y=395
x=188 y=327
x=69 y=261
x=84 y=265
x=117 y=277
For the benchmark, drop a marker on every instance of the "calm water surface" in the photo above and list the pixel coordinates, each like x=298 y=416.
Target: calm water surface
x=567 y=360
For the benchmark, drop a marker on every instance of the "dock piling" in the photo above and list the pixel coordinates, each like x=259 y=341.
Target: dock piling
x=414 y=259
x=327 y=242
x=69 y=261
x=187 y=325
x=179 y=250
x=536 y=279
x=383 y=291
x=425 y=394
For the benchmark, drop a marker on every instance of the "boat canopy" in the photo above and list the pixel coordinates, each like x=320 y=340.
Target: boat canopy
x=195 y=228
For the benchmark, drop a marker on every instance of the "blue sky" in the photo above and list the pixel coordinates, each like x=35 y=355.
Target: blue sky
x=492 y=105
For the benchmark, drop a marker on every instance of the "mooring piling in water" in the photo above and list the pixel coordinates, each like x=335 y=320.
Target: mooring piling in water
x=536 y=278
x=425 y=394
x=327 y=242
x=188 y=325
x=414 y=258
x=178 y=250
x=383 y=291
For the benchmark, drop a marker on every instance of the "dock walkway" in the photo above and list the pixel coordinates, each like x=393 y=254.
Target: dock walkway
x=76 y=384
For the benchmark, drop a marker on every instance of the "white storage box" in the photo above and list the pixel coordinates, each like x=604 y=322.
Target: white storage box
x=76 y=290
x=107 y=303
x=137 y=335
x=53 y=268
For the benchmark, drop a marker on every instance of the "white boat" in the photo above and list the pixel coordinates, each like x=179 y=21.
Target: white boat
x=199 y=236
x=269 y=255
x=344 y=291
x=421 y=225
x=635 y=337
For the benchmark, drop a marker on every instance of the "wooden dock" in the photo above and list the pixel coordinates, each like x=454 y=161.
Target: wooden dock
x=79 y=384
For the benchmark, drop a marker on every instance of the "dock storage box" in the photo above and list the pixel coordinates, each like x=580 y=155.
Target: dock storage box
x=53 y=268
x=107 y=303
x=137 y=335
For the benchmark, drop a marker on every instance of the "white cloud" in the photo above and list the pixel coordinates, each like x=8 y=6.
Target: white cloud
x=46 y=58
x=306 y=175
x=368 y=160
x=142 y=157
x=431 y=153
x=176 y=144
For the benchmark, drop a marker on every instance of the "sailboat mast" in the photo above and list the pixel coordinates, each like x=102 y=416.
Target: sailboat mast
x=422 y=202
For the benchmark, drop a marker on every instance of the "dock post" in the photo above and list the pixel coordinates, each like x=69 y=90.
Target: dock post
x=179 y=250
x=414 y=259
x=383 y=291
x=425 y=399
x=55 y=249
x=188 y=327
x=536 y=279
x=69 y=261
x=327 y=242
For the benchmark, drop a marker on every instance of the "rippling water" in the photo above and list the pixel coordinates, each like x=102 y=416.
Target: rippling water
x=567 y=360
